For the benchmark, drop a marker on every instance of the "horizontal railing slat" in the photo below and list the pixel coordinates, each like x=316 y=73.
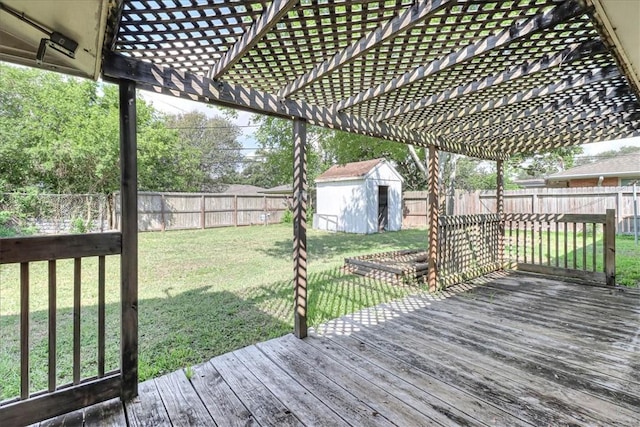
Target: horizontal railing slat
x=59 y=402
x=46 y=248
x=566 y=218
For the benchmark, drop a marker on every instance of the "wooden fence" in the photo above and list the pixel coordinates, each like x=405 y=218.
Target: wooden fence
x=590 y=200
x=182 y=211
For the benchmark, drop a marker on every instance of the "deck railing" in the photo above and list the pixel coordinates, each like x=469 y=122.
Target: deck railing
x=468 y=247
x=34 y=405
x=573 y=245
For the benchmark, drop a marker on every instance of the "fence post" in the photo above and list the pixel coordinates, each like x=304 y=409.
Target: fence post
x=610 y=247
x=203 y=214
x=163 y=223
x=235 y=210
x=619 y=207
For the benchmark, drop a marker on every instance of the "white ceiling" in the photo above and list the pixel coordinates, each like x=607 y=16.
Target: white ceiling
x=81 y=20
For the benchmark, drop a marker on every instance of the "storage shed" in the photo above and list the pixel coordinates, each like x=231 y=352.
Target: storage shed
x=361 y=197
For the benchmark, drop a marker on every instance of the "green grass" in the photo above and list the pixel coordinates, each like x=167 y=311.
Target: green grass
x=201 y=293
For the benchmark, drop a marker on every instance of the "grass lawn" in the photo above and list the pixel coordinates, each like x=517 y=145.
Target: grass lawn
x=202 y=293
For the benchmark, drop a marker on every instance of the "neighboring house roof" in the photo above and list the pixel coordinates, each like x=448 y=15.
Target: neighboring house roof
x=627 y=165
x=349 y=170
x=242 y=189
x=280 y=189
x=530 y=183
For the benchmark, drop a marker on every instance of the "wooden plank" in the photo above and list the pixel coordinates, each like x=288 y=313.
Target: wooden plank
x=440 y=411
x=77 y=306
x=50 y=405
x=181 y=401
x=147 y=410
x=129 y=228
x=402 y=23
x=221 y=402
x=341 y=400
x=610 y=247
x=378 y=396
x=24 y=330
x=615 y=312
x=163 y=79
x=500 y=210
x=572 y=52
x=260 y=27
x=52 y=329
x=106 y=414
x=583 y=80
x=591 y=276
x=265 y=407
x=71 y=419
x=562 y=218
x=45 y=248
x=413 y=374
x=584 y=330
x=518 y=30
x=300 y=227
x=535 y=339
x=533 y=366
x=309 y=409
x=567 y=394
x=101 y=315
x=490 y=388
x=575 y=339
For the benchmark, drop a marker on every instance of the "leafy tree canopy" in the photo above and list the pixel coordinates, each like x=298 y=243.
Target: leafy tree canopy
x=61 y=134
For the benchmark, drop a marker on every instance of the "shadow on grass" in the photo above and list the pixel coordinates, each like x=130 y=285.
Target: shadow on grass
x=186 y=328
x=325 y=245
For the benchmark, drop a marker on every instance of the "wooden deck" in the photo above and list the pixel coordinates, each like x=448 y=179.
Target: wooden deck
x=517 y=350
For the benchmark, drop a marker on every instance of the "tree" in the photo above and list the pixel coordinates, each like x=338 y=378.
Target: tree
x=214 y=141
x=61 y=134
x=275 y=139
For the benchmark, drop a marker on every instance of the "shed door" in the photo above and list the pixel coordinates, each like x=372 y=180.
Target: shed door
x=383 y=207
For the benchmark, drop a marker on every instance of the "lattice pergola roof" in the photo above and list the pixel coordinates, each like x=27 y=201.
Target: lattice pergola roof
x=478 y=77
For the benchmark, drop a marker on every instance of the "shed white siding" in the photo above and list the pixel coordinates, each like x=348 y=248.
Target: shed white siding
x=351 y=204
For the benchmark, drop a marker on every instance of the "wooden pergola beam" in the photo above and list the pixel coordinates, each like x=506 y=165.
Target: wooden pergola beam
x=549 y=142
x=526 y=135
x=269 y=18
x=550 y=18
x=595 y=76
x=401 y=24
x=569 y=122
x=571 y=53
x=560 y=110
x=182 y=84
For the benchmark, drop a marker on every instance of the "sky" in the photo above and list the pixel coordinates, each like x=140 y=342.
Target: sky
x=173 y=105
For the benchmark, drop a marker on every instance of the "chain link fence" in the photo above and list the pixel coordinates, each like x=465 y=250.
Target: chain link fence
x=38 y=213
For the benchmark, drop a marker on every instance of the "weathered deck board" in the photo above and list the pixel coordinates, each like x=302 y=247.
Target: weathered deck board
x=516 y=350
x=223 y=405
x=147 y=410
x=181 y=401
x=266 y=408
